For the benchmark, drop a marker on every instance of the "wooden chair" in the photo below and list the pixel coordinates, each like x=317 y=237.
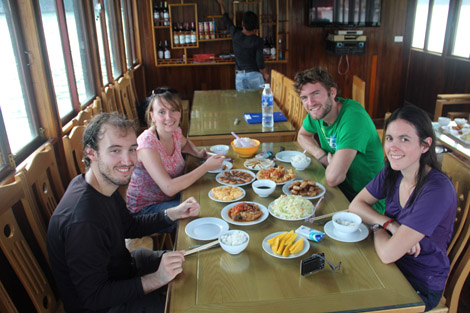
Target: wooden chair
x=108 y=98
x=185 y=117
x=359 y=90
x=276 y=87
x=84 y=116
x=18 y=251
x=42 y=183
x=443 y=100
x=294 y=108
x=74 y=151
x=287 y=84
x=6 y=304
x=96 y=106
x=381 y=131
x=127 y=98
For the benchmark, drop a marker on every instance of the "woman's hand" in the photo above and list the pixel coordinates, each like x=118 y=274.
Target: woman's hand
x=214 y=162
x=415 y=250
x=202 y=154
x=188 y=208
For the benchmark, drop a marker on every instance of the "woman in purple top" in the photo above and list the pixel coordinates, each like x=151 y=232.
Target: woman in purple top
x=420 y=205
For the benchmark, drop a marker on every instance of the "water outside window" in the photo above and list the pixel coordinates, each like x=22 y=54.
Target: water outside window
x=461 y=43
x=438 y=26
x=421 y=18
x=16 y=115
x=56 y=56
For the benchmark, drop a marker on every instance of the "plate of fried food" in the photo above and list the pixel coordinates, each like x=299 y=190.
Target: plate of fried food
x=235 y=177
x=291 y=208
x=279 y=175
x=227 y=193
x=286 y=245
x=305 y=188
x=258 y=164
x=244 y=213
x=226 y=166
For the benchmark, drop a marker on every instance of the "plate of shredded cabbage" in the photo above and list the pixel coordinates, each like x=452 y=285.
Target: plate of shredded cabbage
x=291 y=208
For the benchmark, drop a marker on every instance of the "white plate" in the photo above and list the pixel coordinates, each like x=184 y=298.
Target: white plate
x=265 y=164
x=267 y=247
x=206 y=228
x=286 y=191
x=278 y=184
x=211 y=195
x=227 y=218
x=286 y=219
x=229 y=167
x=286 y=156
x=358 y=235
x=217 y=178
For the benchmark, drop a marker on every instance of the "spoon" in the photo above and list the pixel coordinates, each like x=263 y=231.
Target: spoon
x=239 y=139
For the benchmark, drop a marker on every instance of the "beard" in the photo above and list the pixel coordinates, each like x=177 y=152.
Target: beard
x=106 y=172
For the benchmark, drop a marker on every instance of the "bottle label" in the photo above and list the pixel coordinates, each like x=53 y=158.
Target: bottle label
x=176 y=39
x=267 y=101
x=160 y=54
x=167 y=54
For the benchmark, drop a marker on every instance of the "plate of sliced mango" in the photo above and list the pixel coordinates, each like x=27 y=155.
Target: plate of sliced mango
x=286 y=245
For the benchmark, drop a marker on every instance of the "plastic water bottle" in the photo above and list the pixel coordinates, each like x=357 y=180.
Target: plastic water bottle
x=267 y=106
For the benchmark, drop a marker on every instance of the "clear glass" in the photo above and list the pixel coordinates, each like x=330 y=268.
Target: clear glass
x=461 y=43
x=99 y=39
x=55 y=52
x=437 y=30
x=421 y=17
x=16 y=112
x=111 y=25
x=81 y=65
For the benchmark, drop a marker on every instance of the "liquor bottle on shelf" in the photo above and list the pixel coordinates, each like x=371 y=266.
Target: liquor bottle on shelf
x=193 y=33
x=181 y=34
x=266 y=48
x=273 y=48
x=201 y=30
x=166 y=16
x=212 y=29
x=187 y=33
x=167 y=51
x=279 y=50
x=160 y=51
x=156 y=14
x=176 y=36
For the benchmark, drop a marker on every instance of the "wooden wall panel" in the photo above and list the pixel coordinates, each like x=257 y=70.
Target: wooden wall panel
x=307 y=48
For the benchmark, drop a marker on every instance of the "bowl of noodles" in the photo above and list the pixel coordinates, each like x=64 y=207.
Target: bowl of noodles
x=291 y=208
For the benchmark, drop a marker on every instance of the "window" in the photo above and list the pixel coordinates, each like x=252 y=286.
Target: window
x=128 y=30
x=112 y=26
x=431 y=22
x=19 y=124
x=102 y=40
x=461 y=43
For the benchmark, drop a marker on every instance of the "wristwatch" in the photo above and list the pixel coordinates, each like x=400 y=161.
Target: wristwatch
x=376 y=227
x=167 y=218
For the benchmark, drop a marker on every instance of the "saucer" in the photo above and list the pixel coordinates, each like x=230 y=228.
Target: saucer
x=358 y=235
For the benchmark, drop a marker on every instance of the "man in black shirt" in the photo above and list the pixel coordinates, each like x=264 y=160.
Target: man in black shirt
x=250 y=69
x=86 y=236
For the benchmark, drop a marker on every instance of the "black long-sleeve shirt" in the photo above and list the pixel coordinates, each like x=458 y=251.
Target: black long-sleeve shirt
x=86 y=246
x=248 y=50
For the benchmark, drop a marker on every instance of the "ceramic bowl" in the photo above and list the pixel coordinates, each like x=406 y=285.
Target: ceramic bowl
x=220 y=149
x=263 y=192
x=226 y=241
x=443 y=121
x=303 y=164
x=246 y=152
x=346 y=222
x=460 y=121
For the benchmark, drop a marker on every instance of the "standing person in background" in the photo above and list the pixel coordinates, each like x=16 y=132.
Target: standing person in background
x=250 y=69
x=349 y=146
x=421 y=205
x=158 y=177
x=93 y=269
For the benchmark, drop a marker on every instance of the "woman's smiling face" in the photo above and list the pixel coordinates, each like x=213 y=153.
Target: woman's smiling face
x=164 y=116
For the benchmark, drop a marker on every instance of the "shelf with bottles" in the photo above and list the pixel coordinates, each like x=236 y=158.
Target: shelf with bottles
x=183 y=18
x=161 y=17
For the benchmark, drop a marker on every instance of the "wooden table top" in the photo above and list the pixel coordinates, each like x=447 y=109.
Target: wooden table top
x=254 y=281
x=456 y=145
x=214 y=111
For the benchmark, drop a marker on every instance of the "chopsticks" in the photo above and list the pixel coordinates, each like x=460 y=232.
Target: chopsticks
x=325 y=216
x=201 y=248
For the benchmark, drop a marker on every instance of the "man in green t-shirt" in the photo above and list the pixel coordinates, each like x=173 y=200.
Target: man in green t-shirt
x=349 y=146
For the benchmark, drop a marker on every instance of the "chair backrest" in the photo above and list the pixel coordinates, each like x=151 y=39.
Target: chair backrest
x=96 y=106
x=6 y=304
x=276 y=87
x=287 y=84
x=295 y=109
x=381 y=131
x=43 y=178
x=84 y=116
x=73 y=148
x=18 y=252
x=359 y=90
x=109 y=100
x=127 y=97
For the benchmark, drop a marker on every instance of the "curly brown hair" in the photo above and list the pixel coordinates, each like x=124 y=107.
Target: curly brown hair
x=313 y=76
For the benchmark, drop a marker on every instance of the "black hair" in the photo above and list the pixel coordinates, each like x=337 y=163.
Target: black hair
x=250 y=20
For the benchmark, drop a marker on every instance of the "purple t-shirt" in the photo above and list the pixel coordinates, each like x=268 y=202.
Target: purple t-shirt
x=432 y=214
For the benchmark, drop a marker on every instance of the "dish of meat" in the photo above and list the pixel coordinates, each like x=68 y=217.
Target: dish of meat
x=235 y=177
x=279 y=175
x=244 y=213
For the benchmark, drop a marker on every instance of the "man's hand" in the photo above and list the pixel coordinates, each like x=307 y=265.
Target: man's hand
x=190 y=207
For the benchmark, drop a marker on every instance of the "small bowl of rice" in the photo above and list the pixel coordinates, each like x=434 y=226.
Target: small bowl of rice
x=346 y=222
x=234 y=241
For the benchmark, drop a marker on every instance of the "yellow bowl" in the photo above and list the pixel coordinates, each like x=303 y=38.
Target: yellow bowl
x=246 y=152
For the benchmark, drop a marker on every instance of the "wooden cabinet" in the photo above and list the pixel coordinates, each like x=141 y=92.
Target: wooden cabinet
x=200 y=23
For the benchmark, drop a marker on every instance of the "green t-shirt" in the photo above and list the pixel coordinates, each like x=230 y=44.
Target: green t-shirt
x=353 y=129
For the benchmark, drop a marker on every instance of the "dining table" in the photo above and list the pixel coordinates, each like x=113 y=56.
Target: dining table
x=459 y=147
x=258 y=281
x=215 y=114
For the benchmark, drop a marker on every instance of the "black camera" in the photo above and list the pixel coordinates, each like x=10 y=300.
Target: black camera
x=312 y=264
